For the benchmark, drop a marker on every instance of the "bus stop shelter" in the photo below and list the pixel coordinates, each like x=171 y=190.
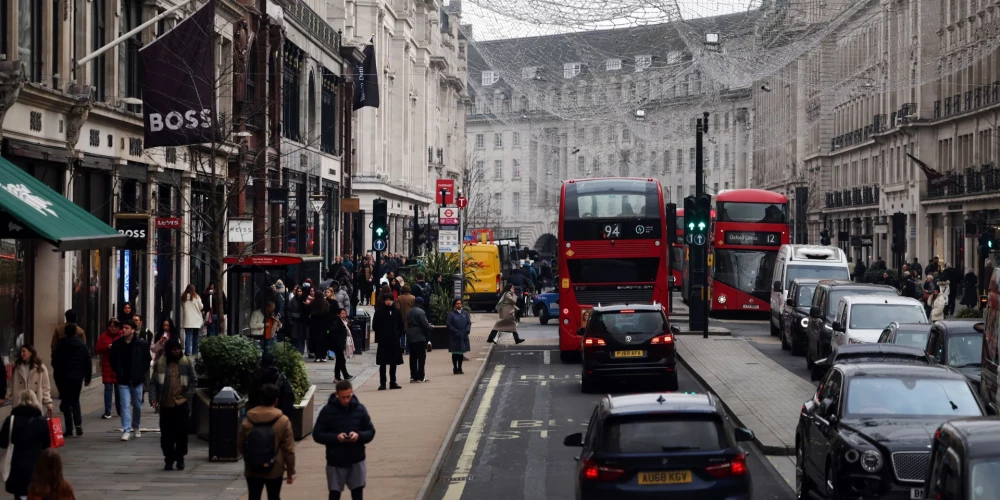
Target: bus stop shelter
x=252 y=279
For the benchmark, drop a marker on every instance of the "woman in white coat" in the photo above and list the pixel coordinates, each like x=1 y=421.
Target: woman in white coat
x=191 y=319
x=938 y=300
x=30 y=374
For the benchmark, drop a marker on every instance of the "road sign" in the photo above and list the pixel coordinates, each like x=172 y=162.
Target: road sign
x=462 y=202
x=690 y=239
x=699 y=239
x=448 y=240
x=448 y=216
x=445 y=187
x=379 y=245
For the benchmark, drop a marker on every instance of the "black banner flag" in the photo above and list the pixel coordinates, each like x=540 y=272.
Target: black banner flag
x=366 y=90
x=934 y=178
x=177 y=78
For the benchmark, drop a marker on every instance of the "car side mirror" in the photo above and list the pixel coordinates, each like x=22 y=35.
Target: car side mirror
x=575 y=439
x=743 y=434
x=790 y=302
x=581 y=331
x=838 y=326
x=815 y=312
x=776 y=286
x=826 y=408
x=674 y=329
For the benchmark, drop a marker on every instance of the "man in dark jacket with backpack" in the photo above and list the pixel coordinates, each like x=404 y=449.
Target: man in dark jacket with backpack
x=344 y=427
x=267 y=443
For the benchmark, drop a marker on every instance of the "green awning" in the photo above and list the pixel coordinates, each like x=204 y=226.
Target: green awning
x=30 y=209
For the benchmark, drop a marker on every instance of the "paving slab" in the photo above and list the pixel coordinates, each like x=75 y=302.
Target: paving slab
x=758 y=392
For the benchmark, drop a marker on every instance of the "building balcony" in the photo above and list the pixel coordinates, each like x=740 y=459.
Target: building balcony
x=973 y=181
x=853 y=197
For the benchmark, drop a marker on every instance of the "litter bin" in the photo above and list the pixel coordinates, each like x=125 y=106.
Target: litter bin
x=360 y=326
x=224 y=419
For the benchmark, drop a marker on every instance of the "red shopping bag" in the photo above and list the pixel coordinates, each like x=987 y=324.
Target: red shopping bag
x=56 y=432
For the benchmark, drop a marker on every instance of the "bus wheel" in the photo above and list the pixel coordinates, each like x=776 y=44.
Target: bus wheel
x=569 y=356
x=543 y=315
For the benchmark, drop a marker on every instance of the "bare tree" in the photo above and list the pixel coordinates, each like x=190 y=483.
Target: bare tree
x=485 y=208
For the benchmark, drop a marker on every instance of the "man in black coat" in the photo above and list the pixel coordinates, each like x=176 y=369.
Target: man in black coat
x=268 y=373
x=130 y=360
x=72 y=370
x=388 y=327
x=344 y=427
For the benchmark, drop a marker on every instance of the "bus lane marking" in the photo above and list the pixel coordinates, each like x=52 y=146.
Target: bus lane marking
x=475 y=434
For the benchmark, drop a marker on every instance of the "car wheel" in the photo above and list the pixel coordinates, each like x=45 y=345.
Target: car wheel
x=784 y=338
x=543 y=316
x=670 y=381
x=569 y=357
x=774 y=330
x=803 y=486
x=589 y=385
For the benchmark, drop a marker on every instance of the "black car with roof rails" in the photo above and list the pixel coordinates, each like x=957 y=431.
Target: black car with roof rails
x=867 y=431
x=795 y=315
x=965 y=460
x=908 y=334
x=958 y=344
x=628 y=342
x=661 y=445
x=870 y=353
x=823 y=312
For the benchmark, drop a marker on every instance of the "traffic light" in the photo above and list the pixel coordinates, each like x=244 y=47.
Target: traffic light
x=899 y=232
x=700 y=222
x=824 y=237
x=380 y=225
x=987 y=240
x=689 y=209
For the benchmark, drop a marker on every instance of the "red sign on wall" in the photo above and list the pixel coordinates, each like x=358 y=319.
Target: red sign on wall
x=449 y=186
x=168 y=222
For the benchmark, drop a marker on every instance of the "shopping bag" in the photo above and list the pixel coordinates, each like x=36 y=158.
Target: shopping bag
x=56 y=432
x=349 y=347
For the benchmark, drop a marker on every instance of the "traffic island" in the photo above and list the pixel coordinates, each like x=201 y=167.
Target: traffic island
x=713 y=331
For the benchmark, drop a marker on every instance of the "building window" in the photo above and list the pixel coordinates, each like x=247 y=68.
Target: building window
x=726 y=155
x=694 y=159
x=290 y=92
x=725 y=124
x=490 y=77
x=128 y=52
x=611 y=161
x=480 y=142
x=626 y=134
x=680 y=193
x=666 y=161
x=581 y=165
x=516 y=138
x=516 y=204
x=528 y=73
x=517 y=169
x=613 y=65
x=328 y=113
x=691 y=190
x=3 y=22
x=680 y=160
x=98 y=37
x=726 y=185
x=498 y=170
x=597 y=167
x=715 y=187
x=642 y=62
x=570 y=70
x=498 y=140
x=29 y=36
x=611 y=134
x=480 y=173
x=497 y=203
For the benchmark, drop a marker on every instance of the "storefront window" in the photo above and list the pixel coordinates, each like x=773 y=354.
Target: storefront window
x=13 y=297
x=89 y=300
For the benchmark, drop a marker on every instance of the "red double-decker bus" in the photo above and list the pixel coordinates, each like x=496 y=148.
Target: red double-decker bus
x=677 y=254
x=612 y=250
x=749 y=227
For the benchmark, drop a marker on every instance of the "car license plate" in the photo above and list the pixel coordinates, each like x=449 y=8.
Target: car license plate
x=665 y=477
x=629 y=354
x=916 y=493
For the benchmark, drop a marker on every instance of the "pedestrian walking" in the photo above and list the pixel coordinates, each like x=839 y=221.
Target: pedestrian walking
x=28 y=432
x=388 y=326
x=267 y=442
x=951 y=275
x=166 y=332
x=30 y=374
x=268 y=373
x=970 y=290
x=264 y=324
x=916 y=268
x=344 y=427
x=320 y=320
x=342 y=296
x=171 y=390
x=859 y=271
x=297 y=327
x=418 y=336
x=48 y=482
x=130 y=360
x=60 y=332
x=459 y=326
x=103 y=348
x=127 y=312
x=213 y=308
x=71 y=370
x=340 y=332
x=507 y=322
x=937 y=301
x=405 y=301
x=192 y=319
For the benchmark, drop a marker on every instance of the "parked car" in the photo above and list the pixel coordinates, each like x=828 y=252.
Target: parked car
x=908 y=334
x=870 y=353
x=862 y=318
x=868 y=430
x=824 y=310
x=546 y=306
x=661 y=446
x=795 y=315
x=633 y=342
x=989 y=358
x=958 y=344
x=965 y=460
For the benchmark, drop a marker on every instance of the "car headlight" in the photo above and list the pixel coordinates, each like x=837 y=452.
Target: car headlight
x=851 y=456
x=805 y=323
x=871 y=461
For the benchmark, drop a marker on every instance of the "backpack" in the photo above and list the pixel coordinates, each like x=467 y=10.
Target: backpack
x=260 y=452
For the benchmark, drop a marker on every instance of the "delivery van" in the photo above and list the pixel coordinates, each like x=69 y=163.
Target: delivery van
x=485 y=273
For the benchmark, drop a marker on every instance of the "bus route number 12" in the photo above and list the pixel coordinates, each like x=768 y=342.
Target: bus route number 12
x=612 y=231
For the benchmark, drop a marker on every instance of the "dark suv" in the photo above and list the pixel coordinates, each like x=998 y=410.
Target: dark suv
x=824 y=309
x=628 y=341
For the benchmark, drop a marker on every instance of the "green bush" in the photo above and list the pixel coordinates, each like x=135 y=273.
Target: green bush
x=875 y=276
x=290 y=363
x=228 y=361
x=969 y=313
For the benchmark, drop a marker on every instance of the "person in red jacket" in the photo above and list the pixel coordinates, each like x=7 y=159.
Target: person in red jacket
x=103 y=348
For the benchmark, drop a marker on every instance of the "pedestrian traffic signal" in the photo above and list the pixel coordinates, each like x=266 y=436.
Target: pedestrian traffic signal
x=380 y=225
x=824 y=237
x=987 y=240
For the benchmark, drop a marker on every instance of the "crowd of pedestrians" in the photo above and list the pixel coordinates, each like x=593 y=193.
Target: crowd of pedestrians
x=939 y=286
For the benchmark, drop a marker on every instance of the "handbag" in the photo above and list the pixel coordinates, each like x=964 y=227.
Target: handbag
x=56 y=438
x=9 y=456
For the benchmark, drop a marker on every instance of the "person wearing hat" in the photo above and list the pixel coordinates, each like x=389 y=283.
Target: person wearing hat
x=171 y=389
x=418 y=336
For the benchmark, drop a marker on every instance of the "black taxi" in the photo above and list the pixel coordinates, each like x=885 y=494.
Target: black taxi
x=965 y=460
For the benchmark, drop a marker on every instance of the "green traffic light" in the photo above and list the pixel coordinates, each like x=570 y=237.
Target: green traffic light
x=701 y=226
x=379 y=231
x=691 y=226
x=990 y=244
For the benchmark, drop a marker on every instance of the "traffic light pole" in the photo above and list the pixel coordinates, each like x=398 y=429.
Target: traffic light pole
x=699 y=300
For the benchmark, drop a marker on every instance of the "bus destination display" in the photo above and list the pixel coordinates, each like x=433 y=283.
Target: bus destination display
x=582 y=230
x=753 y=238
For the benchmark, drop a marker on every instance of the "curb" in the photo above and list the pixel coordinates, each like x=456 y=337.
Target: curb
x=428 y=485
x=766 y=449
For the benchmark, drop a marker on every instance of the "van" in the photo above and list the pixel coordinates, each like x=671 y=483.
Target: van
x=485 y=275
x=803 y=261
x=988 y=384
x=862 y=318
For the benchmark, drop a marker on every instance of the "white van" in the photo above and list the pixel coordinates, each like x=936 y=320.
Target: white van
x=803 y=261
x=861 y=318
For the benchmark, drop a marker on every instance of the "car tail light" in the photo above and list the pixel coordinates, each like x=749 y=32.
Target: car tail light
x=594 y=342
x=593 y=472
x=738 y=467
x=666 y=338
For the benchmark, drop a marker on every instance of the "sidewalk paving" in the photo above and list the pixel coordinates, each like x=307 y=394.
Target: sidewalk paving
x=761 y=394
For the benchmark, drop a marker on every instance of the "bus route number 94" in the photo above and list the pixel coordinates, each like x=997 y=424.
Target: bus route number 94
x=612 y=231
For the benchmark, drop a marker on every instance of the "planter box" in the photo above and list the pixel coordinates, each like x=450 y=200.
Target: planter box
x=303 y=419
x=440 y=337
x=199 y=412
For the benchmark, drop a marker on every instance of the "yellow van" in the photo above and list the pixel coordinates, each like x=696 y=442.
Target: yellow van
x=483 y=289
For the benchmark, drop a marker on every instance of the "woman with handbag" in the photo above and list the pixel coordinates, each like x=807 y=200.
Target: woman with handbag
x=192 y=318
x=339 y=333
x=507 y=307
x=24 y=435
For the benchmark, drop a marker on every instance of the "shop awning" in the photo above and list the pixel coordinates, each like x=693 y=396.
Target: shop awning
x=30 y=209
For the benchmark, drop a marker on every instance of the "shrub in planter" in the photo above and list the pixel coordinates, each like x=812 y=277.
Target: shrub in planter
x=969 y=313
x=228 y=361
x=875 y=276
x=290 y=363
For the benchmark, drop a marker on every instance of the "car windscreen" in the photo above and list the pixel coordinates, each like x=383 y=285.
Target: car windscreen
x=628 y=323
x=878 y=316
x=795 y=271
x=838 y=293
x=965 y=350
x=911 y=339
x=910 y=397
x=660 y=433
x=984 y=482
x=804 y=297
